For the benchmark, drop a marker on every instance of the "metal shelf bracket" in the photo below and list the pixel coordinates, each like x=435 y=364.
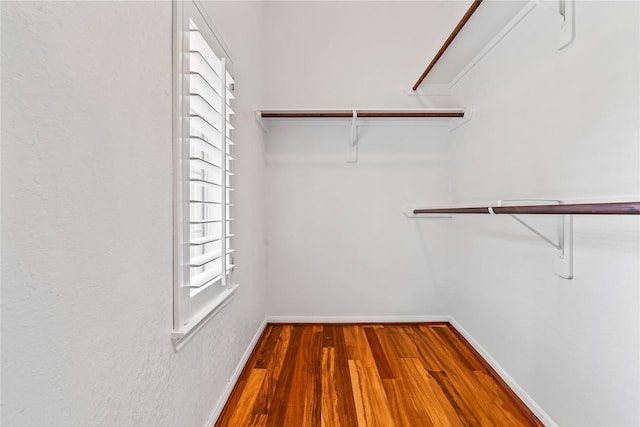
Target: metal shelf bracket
x=352 y=144
x=567 y=28
x=564 y=242
x=260 y=122
x=566 y=17
x=468 y=115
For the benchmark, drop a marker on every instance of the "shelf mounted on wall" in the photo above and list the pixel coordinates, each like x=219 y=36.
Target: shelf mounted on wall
x=353 y=115
x=481 y=28
x=564 y=242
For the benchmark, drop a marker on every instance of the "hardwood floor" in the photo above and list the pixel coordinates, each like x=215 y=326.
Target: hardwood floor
x=370 y=375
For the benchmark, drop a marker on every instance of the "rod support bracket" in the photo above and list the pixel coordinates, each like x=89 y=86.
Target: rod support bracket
x=564 y=242
x=352 y=144
x=565 y=14
x=567 y=28
x=260 y=121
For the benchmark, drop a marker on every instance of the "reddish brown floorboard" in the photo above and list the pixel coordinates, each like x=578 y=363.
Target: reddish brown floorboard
x=343 y=375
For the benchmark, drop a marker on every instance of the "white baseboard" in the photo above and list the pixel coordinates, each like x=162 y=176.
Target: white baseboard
x=517 y=389
x=234 y=378
x=358 y=319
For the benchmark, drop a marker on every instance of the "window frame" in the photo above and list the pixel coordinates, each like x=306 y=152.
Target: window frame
x=192 y=309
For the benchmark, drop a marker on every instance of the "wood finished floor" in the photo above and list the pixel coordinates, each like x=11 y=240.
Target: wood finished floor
x=369 y=375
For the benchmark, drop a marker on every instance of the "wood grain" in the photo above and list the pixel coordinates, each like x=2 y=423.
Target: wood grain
x=329 y=397
x=331 y=375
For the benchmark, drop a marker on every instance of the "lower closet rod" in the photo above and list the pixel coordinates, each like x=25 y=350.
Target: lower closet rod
x=618 y=208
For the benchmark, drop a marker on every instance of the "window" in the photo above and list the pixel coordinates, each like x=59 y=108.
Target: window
x=203 y=239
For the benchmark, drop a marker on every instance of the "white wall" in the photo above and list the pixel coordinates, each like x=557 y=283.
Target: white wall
x=327 y=54
x=555 y=125
x=338 y=243
x=86 y=221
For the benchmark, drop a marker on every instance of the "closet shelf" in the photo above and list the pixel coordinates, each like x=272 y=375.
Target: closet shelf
x=355 y=114
x=315 y=114
x=447 y=43
x=481 y=28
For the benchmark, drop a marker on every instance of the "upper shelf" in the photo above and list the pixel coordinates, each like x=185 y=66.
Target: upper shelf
x=474 y=6
x=481 y=28
x=423 y=113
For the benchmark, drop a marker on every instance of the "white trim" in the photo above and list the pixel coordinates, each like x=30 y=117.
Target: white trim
x=180 y=337
x=235 y=376
x=517 y=389
x=193 y=309
x=224 y=161
x=214 y=30
x=180 y=153
x=358 y=319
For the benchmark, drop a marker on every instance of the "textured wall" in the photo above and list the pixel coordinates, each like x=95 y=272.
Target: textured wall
x=555 y=125
x=86 y=220
x=86 y=202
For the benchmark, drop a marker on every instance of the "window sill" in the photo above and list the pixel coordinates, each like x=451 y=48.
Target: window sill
x=180 y=337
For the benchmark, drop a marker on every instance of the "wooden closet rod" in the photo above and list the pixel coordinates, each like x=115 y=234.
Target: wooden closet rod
x=361 y=114
x=448 y=42
x=622 y=208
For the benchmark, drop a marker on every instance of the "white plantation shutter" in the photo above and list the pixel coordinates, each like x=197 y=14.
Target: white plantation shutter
x=209 y=163
x=204 y=190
